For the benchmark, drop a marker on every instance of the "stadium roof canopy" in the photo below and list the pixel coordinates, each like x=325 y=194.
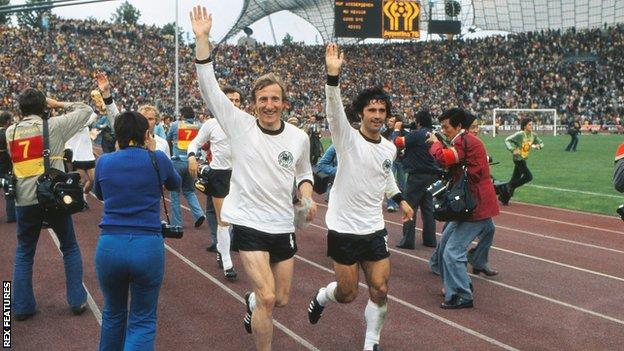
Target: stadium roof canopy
x=531 y=15
x=498 y=15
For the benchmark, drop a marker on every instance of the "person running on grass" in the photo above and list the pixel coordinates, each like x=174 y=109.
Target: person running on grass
x=268 y=156
x=357 y=236
x=520 y=144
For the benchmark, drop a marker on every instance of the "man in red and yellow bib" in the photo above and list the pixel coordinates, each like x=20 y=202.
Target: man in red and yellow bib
x=26 y=145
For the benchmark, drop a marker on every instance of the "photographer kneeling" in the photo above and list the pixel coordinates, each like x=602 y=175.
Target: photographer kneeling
x=27 y=143
x=130 y=255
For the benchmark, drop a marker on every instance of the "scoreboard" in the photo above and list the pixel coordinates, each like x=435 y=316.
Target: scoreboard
x=389 y=19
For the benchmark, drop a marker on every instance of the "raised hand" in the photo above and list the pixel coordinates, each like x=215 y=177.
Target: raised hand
x=201 y=21
x=103 y=84
x=333 y=59
x=52 y=104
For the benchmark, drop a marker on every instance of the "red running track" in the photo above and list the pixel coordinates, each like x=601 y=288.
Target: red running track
x=560 y=288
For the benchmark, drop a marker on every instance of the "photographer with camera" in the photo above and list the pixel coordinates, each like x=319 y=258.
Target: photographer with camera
x=27 y=141
x=130 y=250
x=421 y=171
x=466 y=156
x=7 y=183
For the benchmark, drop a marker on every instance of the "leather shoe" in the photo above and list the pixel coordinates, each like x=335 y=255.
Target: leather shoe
x=405 y=246
x=456 y=303
x=430 y=244
x=199 y=221
x=487 y=271
x=78 y=310
x=25 y=316
x=212 y=248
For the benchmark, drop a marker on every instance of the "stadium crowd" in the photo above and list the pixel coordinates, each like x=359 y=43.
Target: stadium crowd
x=581 y=74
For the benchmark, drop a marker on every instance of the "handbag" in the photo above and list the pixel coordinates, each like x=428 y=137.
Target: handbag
x=58 y=193
x=455 y=202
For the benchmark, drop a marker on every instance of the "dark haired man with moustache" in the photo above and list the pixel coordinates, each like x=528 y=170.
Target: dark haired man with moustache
x=357 y=236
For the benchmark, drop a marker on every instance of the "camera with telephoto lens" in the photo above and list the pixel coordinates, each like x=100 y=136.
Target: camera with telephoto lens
x=620 y=211
x=438 y=187
x=171 y=231
x=8 y=184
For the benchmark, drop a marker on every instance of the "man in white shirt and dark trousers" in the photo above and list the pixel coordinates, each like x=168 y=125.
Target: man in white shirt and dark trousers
x=219 y=177
x=357 y=234
x=268 y=156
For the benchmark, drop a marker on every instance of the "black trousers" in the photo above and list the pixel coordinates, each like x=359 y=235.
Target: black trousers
x=417 y=196
x=521 y=175
x=573 y=142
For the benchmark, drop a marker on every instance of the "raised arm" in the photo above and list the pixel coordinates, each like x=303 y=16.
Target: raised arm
x=111 y=109
x=217 y=102
x=341 y=131
x=71 y=122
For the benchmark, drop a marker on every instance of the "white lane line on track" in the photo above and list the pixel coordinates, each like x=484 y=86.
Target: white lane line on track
x=423 y=311
x=239 y=298
x=604 y=275
x=395 y=299
x=90 y=301
x=572 y=191
x=558 y=302
x=560 y=239
x=562 y=222
x=567 y=210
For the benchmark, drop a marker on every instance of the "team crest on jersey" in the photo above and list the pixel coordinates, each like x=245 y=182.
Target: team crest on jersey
x=387 y=166
x=285 y=159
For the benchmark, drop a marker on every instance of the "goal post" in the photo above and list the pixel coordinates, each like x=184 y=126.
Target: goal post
x=506 y=119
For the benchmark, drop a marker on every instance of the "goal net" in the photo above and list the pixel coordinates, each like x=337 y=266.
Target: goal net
x=507 y=121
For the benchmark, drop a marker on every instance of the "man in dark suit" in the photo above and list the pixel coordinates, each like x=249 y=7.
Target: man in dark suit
x=421 y=172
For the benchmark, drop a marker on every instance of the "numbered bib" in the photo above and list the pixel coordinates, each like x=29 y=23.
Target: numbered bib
x=27 y=156
x=186 y=133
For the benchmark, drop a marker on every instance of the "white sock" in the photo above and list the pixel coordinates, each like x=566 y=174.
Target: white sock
x=375 y=316
x=252 y=301
x=327 y=294
x=223 y=246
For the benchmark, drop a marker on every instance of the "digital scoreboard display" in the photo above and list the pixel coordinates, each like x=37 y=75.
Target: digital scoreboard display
x=389 y=19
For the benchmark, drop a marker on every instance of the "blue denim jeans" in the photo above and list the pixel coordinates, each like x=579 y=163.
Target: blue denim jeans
x=480 y=256
x=188 y=189
x=135 y=265
x=29 y=220
x=449 y=259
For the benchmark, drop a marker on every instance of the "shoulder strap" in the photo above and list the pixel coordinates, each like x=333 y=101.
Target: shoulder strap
x=152 y=156
x=46 y=145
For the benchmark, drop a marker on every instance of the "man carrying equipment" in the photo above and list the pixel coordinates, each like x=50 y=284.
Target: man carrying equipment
x=268 y=156
x=357 y=234
x=220 y=174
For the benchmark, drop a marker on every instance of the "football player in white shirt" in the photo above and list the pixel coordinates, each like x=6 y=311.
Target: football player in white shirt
x=219 y=177
x=357 y=234
x=268 y=155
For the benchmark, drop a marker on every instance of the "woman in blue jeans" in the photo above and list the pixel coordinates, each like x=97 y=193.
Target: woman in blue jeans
x=130 y=254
